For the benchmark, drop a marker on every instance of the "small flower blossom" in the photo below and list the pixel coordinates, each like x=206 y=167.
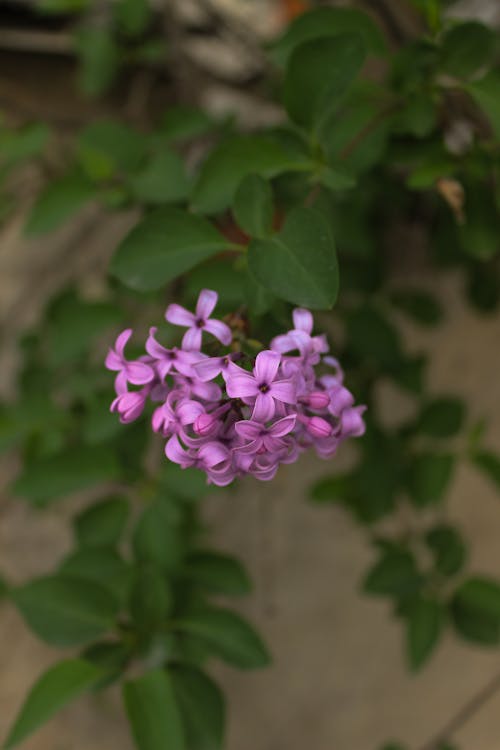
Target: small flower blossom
x=227 y=420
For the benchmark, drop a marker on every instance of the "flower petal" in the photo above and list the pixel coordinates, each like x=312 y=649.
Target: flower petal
x=283 y=426
x=153 y=348
x=248 y=429
x=113 y=360
x=220 y=330
x=179 y=316
x=284 y=390
x=191 y=341
x=284 y=343
x=188 y=411
x=241 y=384
x=174 y=451
x=263 y=410
x=121 y=341
x=213 y=454
x=138 y=373
x=303 y=320
x=266 y=366
x=208 y=369
x=206 y=303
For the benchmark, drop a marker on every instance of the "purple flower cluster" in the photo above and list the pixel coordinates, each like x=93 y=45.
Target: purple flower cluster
x=228 y=420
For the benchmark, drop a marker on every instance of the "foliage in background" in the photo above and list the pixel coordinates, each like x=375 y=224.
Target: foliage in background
x=418 y=146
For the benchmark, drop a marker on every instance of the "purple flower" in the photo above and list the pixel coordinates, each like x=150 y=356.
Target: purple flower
x=129 y=404
x=261 y=438
x=135 y=371
x=261 y=387
x=300 y=337
x=199 y=321
x=166 y=359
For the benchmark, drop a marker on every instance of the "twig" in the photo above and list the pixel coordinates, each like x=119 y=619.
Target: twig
x=464 y=714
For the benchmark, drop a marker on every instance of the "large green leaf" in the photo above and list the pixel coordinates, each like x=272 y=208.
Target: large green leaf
x=163 y=179
x=321 y=22
x=218 y=573
x=429 y=477
x=424 y=627
x=164 y=245
x=157 y=538
x=235 y=158
x=102 y=565
x=64 y=610
x=299 y=264
x=76 y=469
x=466 y=48
x=108 y=147
x=228 y=636
x=448 y=549
x=475 y=609
x=253 y=206
x=153 y=712
x=102 y=523
x=442 y=417
x=318 y=73
x=394 y=574
x=489 y=464
x=202 y=708
x=485 y=92
x=60 y=201
x=53 y=690
x=150 y=600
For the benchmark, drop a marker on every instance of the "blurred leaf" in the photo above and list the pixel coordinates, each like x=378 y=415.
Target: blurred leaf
x=253 y=206
x=475 y=609
x=150 y=600
x=76 y=469
x=442 y=417
x=483 y=287
x=299 y=264
x=183 y=123
x=430 y=474
x=485 y=94
x=466 y=48
x=372 y=337
x=102 y=523
x=64 y=610
x=259 y=300
x=479 y=233
x=489 y=463
x=419 y=305
x=417 y=116
x=424 y=628
x=110 y=656
x=99 y=57
x=321 y=22
x=103 y=565
x=395 y=574
x=74 y=326
x=162 y=180
x=132 y=16
x=61 y=6
x=157 y=538
x=107 y=147
x=153 y=712
x=59 y=685
x=228 y=636
x=235 y=158
x=23 y=143
x=448 y=549
x=217 y=573
x=318 y=73
x=202 y=707
x=165 y=244
x=60 y=201
x=332 y=489
x=99 y=423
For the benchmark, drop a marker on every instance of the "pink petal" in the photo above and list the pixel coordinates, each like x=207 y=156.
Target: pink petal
x=220 y=330
x=188 y=411
x=113 y=360
x=138 y=373
x=284 y=343
x=208 y=369
x=206 y=303
x=179 y=316
x=263 y=410
x=303 y=320
x=213 y=454
x=241 y=385
x=284 y=390
x=121 y=341
x=153 y=348
x=283 y=426
x=174 y=451
x=191 y=340
x=247 y=429
x=266 y=366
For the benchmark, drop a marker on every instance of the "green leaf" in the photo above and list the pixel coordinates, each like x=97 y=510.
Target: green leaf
x=299 y=264
x=235 y=158
x=110 y=656
x=102 y=523
x=421 y=306
x=489 y=464
x=395 y=574
x=48 y=479
x=372 y=337
x=164 y=245
x=424 y=628
x=443 y=417
x=430 y=474
x=318 y=73
x=99 y=57
x=475 y=609
x=59 y=685
x=228 y=636
x=202 y=707
x=132 y=16
x=332 y=489
x=157 y=538
x=322 y=22
x=182 y=123
x=217 y=573
x=162 y=180
x=478 y=235
x=74 y=325
x=467 y=47
x=259 y=300
x=253 y=206
x=103 y=565
x=153 y=712
x=22 y=143
x=485 y=94
x=448 y=549
x=60 y=201
x=108 y=147
x=150 y=600
x=65 y=611
x=61 y=6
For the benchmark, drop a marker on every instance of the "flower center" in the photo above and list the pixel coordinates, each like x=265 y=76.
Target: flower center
x=199 y=322
x=264 y=388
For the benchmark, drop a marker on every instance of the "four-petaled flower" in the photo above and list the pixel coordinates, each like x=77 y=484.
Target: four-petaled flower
x=199 y=321
x=260 y=387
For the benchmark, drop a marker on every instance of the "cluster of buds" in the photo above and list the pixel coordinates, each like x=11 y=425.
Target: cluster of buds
x=232 y=414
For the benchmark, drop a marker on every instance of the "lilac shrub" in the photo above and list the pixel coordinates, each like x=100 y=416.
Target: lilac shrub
x=232 y=414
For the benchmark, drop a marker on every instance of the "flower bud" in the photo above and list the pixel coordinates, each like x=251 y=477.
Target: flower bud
x=319 y=427
x=317 y=399
x=205 y=424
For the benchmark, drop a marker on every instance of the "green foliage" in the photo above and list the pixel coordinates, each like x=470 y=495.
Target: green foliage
x=475 y=610
x=448 y=549
x=153 y=712
x=253 y=206
x=202 y=708
x=60 y=201
x=424 y=627
x=101 y=524
x=394 y=574
x=442 y=417
x=217 y=573
x=489 y=464
x=429 y=476
x=58 y=686
x=467 y=47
